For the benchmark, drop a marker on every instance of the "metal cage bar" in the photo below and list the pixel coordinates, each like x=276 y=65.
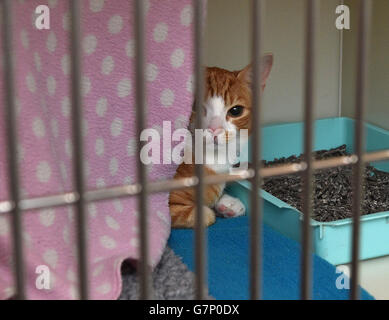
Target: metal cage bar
x=80 y=196
x=255 y=209
x=359 y=139
x=78 y=162
x=12 y=142
x=310 y=28
x=200 y=243
x=141 y=105
x=190 y=182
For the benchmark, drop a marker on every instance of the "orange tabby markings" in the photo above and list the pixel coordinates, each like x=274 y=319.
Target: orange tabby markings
x=182 y=202
x=227 y=108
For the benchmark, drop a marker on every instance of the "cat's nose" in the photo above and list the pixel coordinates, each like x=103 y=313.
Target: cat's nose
x=215 y=124
x=217 y=131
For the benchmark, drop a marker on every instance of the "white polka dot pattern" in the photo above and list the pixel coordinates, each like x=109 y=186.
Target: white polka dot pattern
x=65 y=63
x=160 y=32
x=51 y=42
x=112 y=223
x=167 y=97
x=124 y=88
x=177 y=58
x=51 y=257
x=186 y=16
x=101 y=107
x=4 y=227
x=46 y=217
x=130 y=48
x=43 y=171
x=116 y=127
x=89 y=44
x=113 y=166
x=30 y=80
x=151 y=72
x=37 y=61
x=115 y=24
x=38 y=128
x=107 y=65
x=66 y=21
x=65 y=107
x=107 y=242
x=45 y=148
x=51 y=85
x=96 y=5
x=99 y=147
x=86 y=85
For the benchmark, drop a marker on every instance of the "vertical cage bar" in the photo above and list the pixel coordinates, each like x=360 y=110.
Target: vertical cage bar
x=78 y=164
x=306 y=263
x=11 y=131
x=359 y=142
x=200 y=244
x=145 y=283
x=255 y=209
x=340 y=75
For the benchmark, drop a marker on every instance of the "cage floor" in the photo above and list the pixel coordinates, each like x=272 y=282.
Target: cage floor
x=228 y=263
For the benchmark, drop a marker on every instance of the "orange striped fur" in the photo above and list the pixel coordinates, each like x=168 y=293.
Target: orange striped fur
x=234 y=89
x=182 y=202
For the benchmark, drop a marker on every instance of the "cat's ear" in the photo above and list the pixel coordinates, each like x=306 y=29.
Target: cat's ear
x=266 y=65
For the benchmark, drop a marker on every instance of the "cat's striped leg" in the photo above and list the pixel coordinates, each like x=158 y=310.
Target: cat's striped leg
x=182 y=202
x=185 y=217
x=183 y=210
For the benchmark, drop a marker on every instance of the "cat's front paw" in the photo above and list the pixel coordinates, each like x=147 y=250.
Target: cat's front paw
x=229 y=207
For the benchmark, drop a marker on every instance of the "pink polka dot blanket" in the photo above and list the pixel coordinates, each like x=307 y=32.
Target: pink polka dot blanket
x=43 y=108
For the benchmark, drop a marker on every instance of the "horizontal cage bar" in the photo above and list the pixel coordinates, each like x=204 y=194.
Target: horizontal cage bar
x=69 y=198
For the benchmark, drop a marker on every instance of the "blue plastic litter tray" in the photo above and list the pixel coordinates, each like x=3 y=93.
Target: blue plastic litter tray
x=331 y=240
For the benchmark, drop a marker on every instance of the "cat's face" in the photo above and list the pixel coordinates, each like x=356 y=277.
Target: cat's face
x=227 y=105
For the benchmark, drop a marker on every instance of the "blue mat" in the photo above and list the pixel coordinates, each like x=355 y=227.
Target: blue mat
x=228 y=262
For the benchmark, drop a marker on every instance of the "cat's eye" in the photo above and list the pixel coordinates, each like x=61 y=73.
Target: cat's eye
x=235 y=111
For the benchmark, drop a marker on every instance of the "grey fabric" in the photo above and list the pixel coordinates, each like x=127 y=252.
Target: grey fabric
x=172 y=280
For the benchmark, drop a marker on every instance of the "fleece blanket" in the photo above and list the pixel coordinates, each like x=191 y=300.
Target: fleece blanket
x=228 y=270
x=42 y=65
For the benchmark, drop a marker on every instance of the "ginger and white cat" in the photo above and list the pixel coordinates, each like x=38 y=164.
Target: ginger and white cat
x=227 y=109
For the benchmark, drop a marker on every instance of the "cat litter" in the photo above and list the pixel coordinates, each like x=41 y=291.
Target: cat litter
x=332 y=188
x=331 y=221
